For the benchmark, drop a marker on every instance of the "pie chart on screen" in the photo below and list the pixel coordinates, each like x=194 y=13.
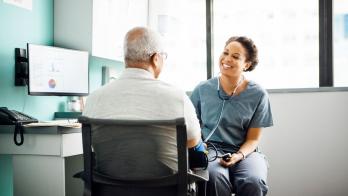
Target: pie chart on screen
x=51 y=83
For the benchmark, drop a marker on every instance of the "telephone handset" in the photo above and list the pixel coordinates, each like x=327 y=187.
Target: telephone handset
x=12 y=117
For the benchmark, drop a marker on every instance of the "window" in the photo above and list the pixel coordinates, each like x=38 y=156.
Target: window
x=111 y=20
x=340 y=42
x=285 y=32
x=182 y=23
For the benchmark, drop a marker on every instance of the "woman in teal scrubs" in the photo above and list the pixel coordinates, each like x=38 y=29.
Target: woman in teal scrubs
x=232 y=111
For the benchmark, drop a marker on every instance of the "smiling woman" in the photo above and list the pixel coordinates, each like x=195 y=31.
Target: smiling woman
x=239 y=55
x=232 y=121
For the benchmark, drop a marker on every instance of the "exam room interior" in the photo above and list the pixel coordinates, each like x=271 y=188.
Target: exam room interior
x=305 y=148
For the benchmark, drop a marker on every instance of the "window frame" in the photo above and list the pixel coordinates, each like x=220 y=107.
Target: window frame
x=325 y=44
x=325 y=77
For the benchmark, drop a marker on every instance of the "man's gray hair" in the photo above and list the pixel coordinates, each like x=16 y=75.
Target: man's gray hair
x=140 y=43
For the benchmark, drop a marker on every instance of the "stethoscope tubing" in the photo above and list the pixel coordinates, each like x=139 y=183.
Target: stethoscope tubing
x=223 y=106
x=217 y=124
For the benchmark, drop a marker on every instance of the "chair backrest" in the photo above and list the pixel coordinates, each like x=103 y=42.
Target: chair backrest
x=135 y=140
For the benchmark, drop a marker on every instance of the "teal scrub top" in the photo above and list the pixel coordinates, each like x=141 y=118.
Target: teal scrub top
x=250 y=109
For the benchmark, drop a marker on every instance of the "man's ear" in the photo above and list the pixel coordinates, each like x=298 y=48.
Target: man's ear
x=155 y=60
x=156 y=64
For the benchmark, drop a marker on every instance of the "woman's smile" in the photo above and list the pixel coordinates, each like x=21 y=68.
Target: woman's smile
x=225 y=66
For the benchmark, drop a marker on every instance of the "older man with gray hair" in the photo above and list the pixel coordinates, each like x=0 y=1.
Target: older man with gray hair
x=138 y=94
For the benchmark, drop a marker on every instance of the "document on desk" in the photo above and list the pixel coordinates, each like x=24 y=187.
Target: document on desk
x=60 y=123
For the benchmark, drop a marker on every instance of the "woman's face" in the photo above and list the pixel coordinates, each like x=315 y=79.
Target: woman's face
x=233 y=60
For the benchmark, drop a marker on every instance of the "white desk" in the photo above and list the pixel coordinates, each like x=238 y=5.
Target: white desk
x=45 y=163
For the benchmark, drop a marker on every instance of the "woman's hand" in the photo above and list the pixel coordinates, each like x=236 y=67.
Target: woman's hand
x=252 y=140
x=235 y=157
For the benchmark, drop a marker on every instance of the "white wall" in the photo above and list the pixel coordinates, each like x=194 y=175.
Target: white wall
x=73 y=24
x=307 y=146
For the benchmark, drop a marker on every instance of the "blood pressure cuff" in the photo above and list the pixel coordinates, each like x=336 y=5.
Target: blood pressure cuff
x=198 y=157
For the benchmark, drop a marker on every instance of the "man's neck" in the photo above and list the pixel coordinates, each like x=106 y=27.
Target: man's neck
x=143 y=66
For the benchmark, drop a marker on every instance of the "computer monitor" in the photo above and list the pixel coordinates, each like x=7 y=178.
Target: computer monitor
x=57 y=71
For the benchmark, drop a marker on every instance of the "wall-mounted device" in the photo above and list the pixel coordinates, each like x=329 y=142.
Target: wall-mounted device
x=108 y=74
x=21 y=67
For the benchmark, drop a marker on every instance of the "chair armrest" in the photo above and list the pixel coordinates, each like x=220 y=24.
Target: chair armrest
x=165 y=181
x=198 y=176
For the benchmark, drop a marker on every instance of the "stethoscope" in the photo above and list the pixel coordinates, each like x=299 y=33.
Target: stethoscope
x=224 y=99
x=234 y=90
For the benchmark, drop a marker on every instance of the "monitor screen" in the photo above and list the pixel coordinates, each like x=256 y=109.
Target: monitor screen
x=57 y=71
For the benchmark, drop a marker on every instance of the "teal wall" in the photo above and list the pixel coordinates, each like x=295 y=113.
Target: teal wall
x=18 y=27
x=95 y=70
x=6 y=177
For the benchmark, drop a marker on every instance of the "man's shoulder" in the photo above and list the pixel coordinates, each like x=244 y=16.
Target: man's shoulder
x=99 y=90
x=169 y=88
x=102 y=91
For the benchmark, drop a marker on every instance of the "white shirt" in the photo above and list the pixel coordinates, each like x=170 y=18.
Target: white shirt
x=138 y=95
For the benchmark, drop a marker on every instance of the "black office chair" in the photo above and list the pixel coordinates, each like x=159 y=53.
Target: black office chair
x=101 y=183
